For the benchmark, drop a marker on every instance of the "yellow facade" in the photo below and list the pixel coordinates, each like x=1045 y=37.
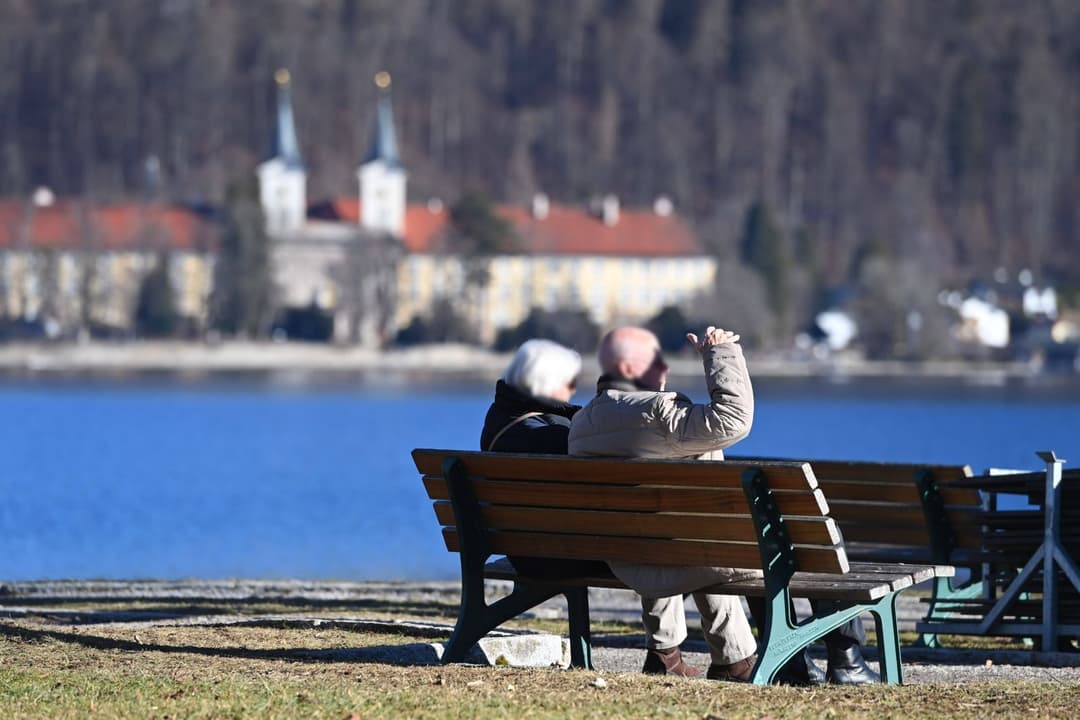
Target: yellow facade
x=613 y=290
x=54 y=285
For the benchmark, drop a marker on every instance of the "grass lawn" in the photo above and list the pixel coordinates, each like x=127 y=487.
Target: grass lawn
x=55 y=665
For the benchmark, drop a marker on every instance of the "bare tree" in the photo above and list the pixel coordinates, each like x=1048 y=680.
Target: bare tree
x=368 y=285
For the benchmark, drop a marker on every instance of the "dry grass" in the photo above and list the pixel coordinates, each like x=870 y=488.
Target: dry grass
x=57 y=668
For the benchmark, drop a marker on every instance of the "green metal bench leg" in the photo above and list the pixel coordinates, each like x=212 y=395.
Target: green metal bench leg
x=778 y=632
x=476 y=618
x=888 y=633
x=942 y=544
x=943 y=593
x=782 y=638
x=577 y=606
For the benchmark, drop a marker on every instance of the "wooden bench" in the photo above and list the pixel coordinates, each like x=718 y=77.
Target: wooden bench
x=1032 y=584
x=768 y=516
x=908 y=512
x=890 y=512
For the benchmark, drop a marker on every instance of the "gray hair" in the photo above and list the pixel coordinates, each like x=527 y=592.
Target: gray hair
x=540 y=367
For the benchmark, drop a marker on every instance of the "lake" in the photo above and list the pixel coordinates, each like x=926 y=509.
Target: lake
x=279 y=477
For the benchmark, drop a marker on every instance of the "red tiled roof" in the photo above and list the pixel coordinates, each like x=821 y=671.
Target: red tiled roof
x=423 y=226
x=570 y=231
x=564 y=231
x=70 y=224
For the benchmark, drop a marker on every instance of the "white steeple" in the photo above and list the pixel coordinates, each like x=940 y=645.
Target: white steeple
x=381 y=175
x=282 y=180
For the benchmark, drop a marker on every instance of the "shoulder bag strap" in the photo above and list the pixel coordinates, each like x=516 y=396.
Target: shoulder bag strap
x=507 y=426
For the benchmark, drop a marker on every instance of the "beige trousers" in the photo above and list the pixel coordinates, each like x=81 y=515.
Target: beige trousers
x=727 y=631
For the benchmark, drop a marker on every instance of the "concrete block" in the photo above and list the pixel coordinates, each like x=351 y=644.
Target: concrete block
x=516 y=650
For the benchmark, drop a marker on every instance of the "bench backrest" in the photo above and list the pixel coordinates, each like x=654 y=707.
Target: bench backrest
x=882 y=504
x=669 y=512
x=1021 y=530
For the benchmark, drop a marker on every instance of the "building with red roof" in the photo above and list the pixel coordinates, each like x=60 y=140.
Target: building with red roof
x=373 y=261
x=76 y=265
x=620 y=265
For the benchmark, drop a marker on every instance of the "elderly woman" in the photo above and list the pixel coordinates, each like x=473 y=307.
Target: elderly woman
x=531 y=414
x=531 y=411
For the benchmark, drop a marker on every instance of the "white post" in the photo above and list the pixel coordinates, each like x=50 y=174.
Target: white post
x=1051 y=537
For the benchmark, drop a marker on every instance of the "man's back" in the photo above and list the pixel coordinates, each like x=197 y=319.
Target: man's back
x=624 y=421
x=632 y=416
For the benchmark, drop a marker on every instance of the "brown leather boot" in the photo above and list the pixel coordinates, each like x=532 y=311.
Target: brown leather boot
x=667 y=662
x=735 y=672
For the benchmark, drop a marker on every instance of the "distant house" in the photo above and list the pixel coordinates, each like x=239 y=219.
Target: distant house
x=74 y=265
x=986 y=316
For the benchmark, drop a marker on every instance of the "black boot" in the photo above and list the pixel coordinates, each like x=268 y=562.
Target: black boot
x=800 y=670
x=847 y=665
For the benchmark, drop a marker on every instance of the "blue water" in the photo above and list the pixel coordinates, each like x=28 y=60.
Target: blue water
x=252 y=478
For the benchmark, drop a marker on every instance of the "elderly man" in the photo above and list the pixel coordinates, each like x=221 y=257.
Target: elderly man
x=632 y=416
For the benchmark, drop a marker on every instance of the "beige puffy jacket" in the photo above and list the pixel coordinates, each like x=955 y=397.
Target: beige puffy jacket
x=624 y=422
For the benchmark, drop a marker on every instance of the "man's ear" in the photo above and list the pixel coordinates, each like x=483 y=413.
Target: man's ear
x=626 y=369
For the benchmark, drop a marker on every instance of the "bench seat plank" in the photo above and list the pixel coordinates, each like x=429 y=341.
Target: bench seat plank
x=865 y=582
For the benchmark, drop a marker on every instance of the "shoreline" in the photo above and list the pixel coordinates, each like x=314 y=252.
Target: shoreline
x=193 y=358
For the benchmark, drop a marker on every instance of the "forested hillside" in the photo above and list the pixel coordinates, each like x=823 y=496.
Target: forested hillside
x=938 y=135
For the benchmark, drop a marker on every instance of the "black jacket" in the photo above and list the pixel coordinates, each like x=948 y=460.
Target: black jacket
x=545 y=434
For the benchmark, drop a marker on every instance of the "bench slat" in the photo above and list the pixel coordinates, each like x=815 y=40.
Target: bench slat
x=871 y=490
x=919 y=571
x=916 y=538
x=654 y=551
x=627 y=498
x=884 y=472
x=802 y=530
x=868 y=583
x=877 y=473
x=885 y=535
x=966 y=524
x=558 y=468
x=866 y=490
x=895 y=514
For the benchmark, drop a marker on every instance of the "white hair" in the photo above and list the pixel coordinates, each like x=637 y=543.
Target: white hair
x=541 y=367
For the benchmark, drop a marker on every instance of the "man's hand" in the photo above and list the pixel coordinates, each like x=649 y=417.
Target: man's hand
x=713 y=336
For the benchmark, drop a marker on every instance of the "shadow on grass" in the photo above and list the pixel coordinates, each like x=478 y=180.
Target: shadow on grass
x=52 y=609
x=406 y=654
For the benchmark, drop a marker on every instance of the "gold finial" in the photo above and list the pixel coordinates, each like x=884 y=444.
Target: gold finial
x=382 y=79
x=281 y=77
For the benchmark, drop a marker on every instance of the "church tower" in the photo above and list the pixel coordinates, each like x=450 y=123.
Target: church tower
x=381 y=175
x=282 y=180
